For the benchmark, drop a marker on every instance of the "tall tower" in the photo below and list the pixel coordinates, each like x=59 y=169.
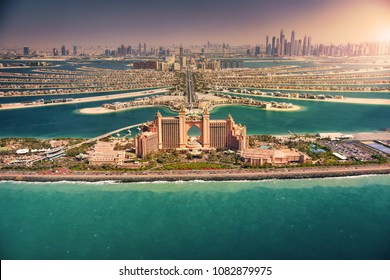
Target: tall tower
x=182 y=123
x=26 y=51
x=281 y=43
x=158 y=124
x=229 y=129
x=273 y=46
x=63 y=50
x=181 y=50
x=304 y=52
x=206 y=129
x=266 y=44
x=181 y=56
x=292 y=46
x=309 y=46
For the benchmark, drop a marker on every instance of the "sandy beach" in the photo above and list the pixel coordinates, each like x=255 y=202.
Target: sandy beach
x=293 y=108
x=85 y=99
x=352 y=100
x=102 y=110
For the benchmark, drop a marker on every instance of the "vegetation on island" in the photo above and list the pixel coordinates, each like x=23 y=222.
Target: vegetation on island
x=77 y=159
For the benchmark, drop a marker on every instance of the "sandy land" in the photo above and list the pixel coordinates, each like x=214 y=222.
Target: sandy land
x=361 y=101
x=85 y=99
x=305 y=90
x=293 y=108
x=352 y=100
x=95 y=110
x=102 y=110
x=79 y=92
x=323 y=90
x=207 y=175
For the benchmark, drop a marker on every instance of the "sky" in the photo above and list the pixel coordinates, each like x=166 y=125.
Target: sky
x=52 y=23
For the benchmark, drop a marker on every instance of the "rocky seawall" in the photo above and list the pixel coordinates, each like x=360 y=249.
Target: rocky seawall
x=207 y=175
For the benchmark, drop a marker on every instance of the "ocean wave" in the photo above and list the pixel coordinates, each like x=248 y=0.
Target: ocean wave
x=184 y=182
x=107 y=182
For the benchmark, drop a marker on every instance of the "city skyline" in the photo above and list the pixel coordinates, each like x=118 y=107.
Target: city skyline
x=45 y=24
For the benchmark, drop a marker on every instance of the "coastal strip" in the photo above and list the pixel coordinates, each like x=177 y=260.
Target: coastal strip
x=205 y=175
x=349 y=100
x=85 y=99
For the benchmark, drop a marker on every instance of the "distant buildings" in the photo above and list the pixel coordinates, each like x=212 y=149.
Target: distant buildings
x=231 y=63
x=298 y=47
x=148 y=64
x=275 y=46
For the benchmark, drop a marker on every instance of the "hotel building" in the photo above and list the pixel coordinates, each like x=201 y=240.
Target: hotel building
x=171 y=133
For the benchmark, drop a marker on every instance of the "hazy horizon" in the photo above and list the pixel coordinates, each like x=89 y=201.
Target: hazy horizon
x=46 y=24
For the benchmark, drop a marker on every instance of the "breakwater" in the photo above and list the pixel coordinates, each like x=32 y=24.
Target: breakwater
x=206 y=175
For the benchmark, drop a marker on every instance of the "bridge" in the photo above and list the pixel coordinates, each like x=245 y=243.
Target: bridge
x=64 y=150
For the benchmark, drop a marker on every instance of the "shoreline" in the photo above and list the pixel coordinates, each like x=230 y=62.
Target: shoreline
x=102 y=110
x=204 y=175
x=348 y=100
x=84 y=92
x=315 y=90
x=10 y=106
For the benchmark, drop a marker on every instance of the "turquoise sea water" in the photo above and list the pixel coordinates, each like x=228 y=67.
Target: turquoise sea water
x=66 y=121
x=335 y=218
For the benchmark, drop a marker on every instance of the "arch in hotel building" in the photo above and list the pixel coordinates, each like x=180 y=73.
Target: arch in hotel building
x=171 y=133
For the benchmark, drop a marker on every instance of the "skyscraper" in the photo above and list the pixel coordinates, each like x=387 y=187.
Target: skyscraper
x=292 y=46
x=281 y=43
x=55 y=52
x=26 y=51
x=304 y=51
x=273 y=46
x=266 y=45
x=309 y=46
x=63 y=50
x=74 y=50
x=257 y=50
x=181 y=56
